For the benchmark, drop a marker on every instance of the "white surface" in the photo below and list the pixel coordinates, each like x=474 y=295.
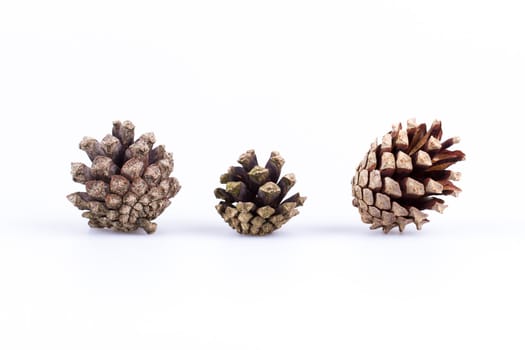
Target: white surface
x=316 y=81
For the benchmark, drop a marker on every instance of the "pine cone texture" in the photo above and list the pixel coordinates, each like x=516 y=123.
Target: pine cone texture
x=399 y=178
x=253 y=201
x=128 y=184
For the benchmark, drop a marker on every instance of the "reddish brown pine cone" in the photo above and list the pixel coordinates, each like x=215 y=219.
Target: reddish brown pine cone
x=400 y=178
x=128 y=184
x=253 y=202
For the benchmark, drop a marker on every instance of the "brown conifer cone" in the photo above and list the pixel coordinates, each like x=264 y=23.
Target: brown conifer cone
x=401 y=177
x=253 y=201
x=128 y=184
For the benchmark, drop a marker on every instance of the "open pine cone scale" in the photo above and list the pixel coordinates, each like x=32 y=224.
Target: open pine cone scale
x=400 y=177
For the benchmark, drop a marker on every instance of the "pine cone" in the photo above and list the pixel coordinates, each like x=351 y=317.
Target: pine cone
x=252 y=202
x=399 y=178
x=128 y=183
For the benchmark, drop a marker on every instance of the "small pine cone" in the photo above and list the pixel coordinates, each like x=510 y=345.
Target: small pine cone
x=253 y=201
x=128 y=184
x=399 y=178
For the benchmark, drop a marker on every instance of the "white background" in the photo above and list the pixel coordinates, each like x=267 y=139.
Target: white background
x=317 y=81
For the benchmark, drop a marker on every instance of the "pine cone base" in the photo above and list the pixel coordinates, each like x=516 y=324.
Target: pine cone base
x=246 y=219
x=400 y=177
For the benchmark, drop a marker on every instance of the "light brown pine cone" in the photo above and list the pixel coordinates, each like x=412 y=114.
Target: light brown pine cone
x=253 y=202
x=400 y=177
x=128 y=184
